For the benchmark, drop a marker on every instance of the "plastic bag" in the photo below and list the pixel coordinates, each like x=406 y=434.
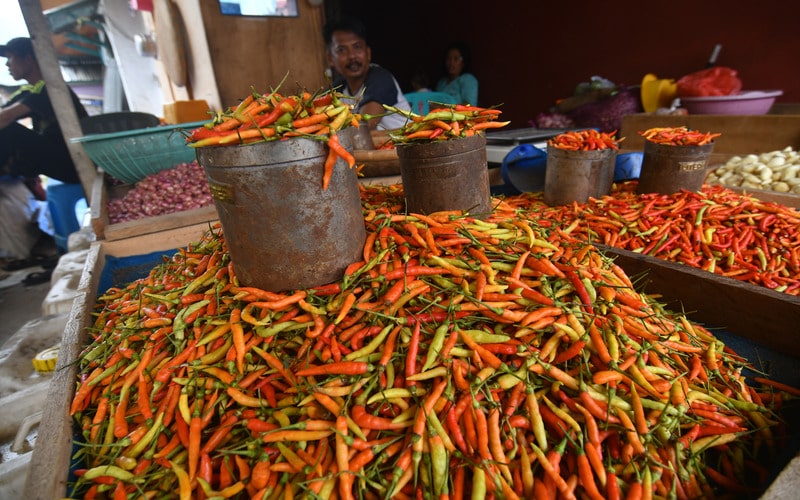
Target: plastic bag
x=18 y=233
x=714 y=81
x=523 y=168
x=606 y=114
x=627 y=166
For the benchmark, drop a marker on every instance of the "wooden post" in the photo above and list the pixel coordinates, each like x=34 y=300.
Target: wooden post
x=57 y=90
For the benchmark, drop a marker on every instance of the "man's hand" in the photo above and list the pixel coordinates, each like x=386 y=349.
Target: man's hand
x=12 y=113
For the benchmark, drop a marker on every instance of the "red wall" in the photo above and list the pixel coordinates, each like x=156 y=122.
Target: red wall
x=528 y=54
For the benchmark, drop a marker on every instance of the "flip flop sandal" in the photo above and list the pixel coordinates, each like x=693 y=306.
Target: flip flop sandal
x=33 y=261
x=37 y=278
x=16 y=265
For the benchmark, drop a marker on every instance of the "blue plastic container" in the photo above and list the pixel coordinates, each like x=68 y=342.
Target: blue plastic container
x=66 y=204
x=524 y=168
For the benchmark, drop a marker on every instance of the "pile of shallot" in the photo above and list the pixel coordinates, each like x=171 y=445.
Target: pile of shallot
x=183 y=187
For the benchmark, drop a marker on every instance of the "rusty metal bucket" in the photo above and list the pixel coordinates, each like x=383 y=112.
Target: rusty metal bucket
x=283 y=231
x=446 y=175
x=574 y=176
x=668 y=169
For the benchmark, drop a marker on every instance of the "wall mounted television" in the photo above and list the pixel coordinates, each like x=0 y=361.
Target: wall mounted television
x=259 y=8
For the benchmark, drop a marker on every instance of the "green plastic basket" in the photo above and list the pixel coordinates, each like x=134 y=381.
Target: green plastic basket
x=132 y=155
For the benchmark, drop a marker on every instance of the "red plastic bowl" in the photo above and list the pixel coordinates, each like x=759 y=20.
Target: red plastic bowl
x=747 y=102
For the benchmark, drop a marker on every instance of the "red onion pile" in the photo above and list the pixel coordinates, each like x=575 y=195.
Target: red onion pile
x=183 y=187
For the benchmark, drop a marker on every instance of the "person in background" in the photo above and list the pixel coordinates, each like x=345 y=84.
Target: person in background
x=458 y=81
x=40 y=150
x=25 y=155
x=370 y=85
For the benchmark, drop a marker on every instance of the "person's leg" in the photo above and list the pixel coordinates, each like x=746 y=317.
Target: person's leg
x=26 y=153
x=18 y=233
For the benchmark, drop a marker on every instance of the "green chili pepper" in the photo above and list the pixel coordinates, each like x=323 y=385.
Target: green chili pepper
x=436 y=345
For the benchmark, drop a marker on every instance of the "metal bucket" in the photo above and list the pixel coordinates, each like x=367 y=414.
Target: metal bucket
x=283 y=231
x=362 y=139
x=575 y=176
x=446 y=175
x=668 y=169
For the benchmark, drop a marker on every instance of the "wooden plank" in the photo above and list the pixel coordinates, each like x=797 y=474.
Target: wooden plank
x=170 y=40
x=263 y=51
x=377 y=162
x=740 y=133
x=160 y=223
x=200 y=67
x=756 y=313
x=49 y=467
x=155 y=242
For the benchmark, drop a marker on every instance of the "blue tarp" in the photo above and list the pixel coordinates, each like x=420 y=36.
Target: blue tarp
x=119 y=271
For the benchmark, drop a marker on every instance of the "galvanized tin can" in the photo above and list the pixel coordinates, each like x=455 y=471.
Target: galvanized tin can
x=283 y=230
x=574 y=176
x=362 y=138
x=446 y=175
x=668 y=169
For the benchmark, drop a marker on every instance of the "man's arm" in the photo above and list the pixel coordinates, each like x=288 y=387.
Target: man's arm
x=372 y=108
x=12 y=113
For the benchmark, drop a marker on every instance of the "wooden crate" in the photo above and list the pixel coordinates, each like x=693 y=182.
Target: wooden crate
x=755 y=314
x=104 y=230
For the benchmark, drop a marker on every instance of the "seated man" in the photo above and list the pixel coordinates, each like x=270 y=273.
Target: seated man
x=355 y=75
x=40 y=150
x=27 y=153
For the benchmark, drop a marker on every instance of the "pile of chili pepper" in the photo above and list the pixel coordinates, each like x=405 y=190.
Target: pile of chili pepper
x=585 y=140
x=458 y=358
x=273 y=116
x=678 y=136
x=450 y=121
x=716 y=229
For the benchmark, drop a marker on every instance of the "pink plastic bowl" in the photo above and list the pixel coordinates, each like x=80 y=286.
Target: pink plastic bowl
x=747 y=102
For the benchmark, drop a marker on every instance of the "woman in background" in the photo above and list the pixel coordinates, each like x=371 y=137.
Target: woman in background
x=458 y=81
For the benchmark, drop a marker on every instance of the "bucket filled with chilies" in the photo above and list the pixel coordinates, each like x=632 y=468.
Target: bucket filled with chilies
x=443 y=159
x=580 y=165
x=675 y=158
x=281 y=173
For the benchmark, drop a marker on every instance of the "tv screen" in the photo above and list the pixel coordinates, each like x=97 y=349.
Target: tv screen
x=259 y=8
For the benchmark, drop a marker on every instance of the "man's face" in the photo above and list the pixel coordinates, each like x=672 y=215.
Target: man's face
x=18 y=65
x=349 y=55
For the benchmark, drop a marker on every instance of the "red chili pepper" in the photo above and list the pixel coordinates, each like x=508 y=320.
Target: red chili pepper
x=585 y=140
